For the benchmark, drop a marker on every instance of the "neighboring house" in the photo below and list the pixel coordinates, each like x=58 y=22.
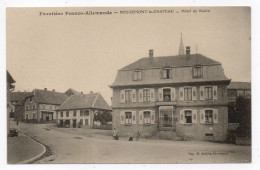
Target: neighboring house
x=71 y=91
x=236 y=89
x=41 y=105
x=184 y=95
x=9 y=87
x=80 y=110
x=17 y=99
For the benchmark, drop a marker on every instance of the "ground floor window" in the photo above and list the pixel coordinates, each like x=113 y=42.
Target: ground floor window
x=188 y=116
x=81 y=122
x=147 y=119
x=67 y=122
x=128 y=118
x=86 y=121
x=208 y=116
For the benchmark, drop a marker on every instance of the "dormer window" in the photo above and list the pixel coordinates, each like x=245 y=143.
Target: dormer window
x=166 y=73
x=197 y=71
x=137 y=75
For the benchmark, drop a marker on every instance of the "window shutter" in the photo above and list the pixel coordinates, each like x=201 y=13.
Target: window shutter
x=160 y=94
x=152 y=95
x=122 y=96
x=194 y=116
x=133 y=95
x=152 y=117
x=173 y=94
x=141 y=117
x=202 y=116
x=161 y=73
x=172 y=73
x=181 y=116
x=181 y=93
x=122 y=117
x=201 y=92
x=133 y=117
x=215 y=115
x=215 y=92
x=140 y=95
x=194 y=93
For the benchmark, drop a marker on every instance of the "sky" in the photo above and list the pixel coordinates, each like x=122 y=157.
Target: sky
x=85 y=52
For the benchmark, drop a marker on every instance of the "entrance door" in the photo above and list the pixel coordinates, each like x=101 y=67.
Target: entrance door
x=167 y=118
x=74 y=123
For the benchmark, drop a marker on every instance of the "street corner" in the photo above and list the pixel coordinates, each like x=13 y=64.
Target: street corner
x=23 y=150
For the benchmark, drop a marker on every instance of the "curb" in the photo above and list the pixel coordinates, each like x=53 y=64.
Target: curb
x=31 y=160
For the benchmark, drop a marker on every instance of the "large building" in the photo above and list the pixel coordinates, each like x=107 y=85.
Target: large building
x=41 y=104
x=17 y=100
x=79 y=110
x=183 y=95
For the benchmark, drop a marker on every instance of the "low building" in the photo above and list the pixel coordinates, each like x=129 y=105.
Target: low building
x=41 y=104
x=79 y=110
x=17 y=99
x=236 y=89
x=9 y=87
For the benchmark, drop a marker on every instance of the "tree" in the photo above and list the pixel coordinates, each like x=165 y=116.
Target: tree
x=243 y=109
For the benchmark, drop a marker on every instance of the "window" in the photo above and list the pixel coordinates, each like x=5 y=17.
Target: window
x=128 y=118
x=240 y=93
x=146 y=95
x=137 y=75
x=208 y=116
x=166 y=95
x=61 y=114
x=67 y=113
x=248 y=94
x=166 y=73
x=86 y=112
x=128 y=94
x=232 y=93
x=197 y=72
x=30 y=99
x=81 y=122
x=26 y=107
x=187 y=94
x=86 y=121
x=147 y=119
x=74 y=113
x=50 y=107
x=188 y=116
x=43 y=106
x=34 y=106
x=81 y=113
x=208 y=93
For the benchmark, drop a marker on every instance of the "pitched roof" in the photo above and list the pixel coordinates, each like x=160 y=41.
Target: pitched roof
x=71 y=91
x=49 y=97
x=171 y=61
x=240 y=85
x=17 y=96
x=92 y=100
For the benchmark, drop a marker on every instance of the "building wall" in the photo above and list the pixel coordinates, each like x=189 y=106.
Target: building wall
x=195 y=131
x=38 y=109
x=77 y=117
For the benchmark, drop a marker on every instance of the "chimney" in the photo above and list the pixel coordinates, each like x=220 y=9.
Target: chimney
x=151 y=54
x=188 y=50
x=45 y=89
x=53 y=90
x=91 y=92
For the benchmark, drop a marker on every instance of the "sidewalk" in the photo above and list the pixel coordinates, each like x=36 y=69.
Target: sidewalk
x=22 y=148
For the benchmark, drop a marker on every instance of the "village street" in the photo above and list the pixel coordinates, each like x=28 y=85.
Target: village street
x=96 y=146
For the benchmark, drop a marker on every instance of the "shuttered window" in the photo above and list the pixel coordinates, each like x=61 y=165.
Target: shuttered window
x=166 y=73
x=208 y=95
x=128 y=118
x=209 y=116
x=137 y=75
x=128 y=96
x=188 y=116
x=187 y=94
x=166 y=95
x=147 y=117
x=146 y=94
x=197 y=72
